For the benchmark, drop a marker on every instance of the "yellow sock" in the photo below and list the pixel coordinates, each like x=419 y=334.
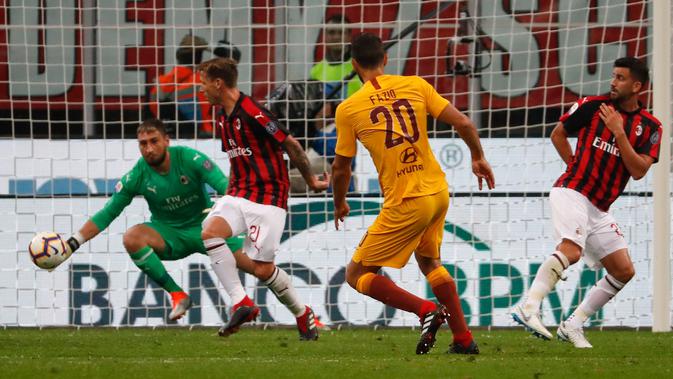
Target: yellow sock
x=438 y=276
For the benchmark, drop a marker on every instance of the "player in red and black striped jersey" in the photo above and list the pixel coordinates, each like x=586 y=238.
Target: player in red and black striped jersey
x=252 y=139
x=256 y=200
x=597 y=169
x=616 y=140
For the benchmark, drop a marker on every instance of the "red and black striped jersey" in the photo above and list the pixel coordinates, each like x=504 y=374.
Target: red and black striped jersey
x=597 y=170
x=252 y=138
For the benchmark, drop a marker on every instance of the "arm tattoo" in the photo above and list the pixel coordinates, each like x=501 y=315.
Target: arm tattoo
x=299 y=159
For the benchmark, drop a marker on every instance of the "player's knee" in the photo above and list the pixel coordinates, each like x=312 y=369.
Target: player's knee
x=427 y=265
x=571 y=250
x=134 y=240
x=352 y=277
x=215 y=227
x=263 y=271
x=625 y=274
x=208 y=233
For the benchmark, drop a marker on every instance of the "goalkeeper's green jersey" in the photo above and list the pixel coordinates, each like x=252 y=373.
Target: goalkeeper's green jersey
x=177 y=198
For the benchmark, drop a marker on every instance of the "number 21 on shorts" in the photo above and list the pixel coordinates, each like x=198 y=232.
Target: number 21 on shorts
x=254 y=233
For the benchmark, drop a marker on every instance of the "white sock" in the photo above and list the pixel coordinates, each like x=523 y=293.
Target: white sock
x=599 y=295
x=547 y=275
x=280 y=284
x=224 y=264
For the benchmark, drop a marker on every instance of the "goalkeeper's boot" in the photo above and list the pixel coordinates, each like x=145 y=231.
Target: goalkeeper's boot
x=430 y=324
x=457 y=348
x=244 y=311
x=575 y=336
x=306 y=324
x=181 y=303
x=531 y=321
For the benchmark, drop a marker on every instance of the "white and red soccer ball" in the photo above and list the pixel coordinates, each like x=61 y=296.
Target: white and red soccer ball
x=47 y=250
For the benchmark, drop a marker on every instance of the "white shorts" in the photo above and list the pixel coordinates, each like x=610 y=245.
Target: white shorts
x=264 y=225
x=576 y=219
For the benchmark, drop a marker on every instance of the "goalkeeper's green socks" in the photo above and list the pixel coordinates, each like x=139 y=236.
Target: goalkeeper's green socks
x=148 y=261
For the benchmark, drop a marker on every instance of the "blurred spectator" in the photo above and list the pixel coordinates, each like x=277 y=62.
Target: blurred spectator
x=324 y=142
x=176 y=95
x=320 y=133
x=336 y=63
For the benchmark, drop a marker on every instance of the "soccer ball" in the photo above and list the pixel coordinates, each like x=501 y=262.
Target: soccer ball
x=47 y=250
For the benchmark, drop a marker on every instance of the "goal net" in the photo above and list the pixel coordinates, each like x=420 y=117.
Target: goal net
x=77 y=77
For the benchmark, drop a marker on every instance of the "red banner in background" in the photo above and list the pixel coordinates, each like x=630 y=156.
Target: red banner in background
x=49 y=76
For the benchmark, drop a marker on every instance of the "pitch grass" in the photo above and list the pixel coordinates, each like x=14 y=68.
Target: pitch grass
x=349 y=353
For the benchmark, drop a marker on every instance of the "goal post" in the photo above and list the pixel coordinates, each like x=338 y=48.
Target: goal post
x=663 y=106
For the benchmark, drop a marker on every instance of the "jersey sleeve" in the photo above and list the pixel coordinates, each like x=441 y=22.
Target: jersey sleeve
x=125 y=191
x=207 y=170
x=579 y=115
x=259 y=117
x=345 y=143
x=652 y=144
x=434 y=102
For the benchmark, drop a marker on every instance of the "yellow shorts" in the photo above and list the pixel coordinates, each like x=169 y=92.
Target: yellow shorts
x=415 y=225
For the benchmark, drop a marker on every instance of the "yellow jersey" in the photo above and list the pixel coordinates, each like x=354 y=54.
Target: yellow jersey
x=389 y=116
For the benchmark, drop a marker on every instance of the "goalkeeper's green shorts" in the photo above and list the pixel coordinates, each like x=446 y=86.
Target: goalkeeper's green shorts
x=185 y=241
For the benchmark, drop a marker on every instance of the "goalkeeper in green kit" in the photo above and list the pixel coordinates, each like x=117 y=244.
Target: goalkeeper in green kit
x=172 y=181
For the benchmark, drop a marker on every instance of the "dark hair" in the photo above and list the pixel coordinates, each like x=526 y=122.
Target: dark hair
x=221 y=68
x=637 y=68
x=152 y=124
x=191 y=50
x=188 y=57
x=226 y=49
x=367 y=50
x=338 y=18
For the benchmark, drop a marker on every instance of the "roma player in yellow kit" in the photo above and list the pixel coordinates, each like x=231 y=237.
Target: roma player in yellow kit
x=389 y=116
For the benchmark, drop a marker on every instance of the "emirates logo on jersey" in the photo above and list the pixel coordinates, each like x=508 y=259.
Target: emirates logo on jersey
x=239 y=151
x=611 y=148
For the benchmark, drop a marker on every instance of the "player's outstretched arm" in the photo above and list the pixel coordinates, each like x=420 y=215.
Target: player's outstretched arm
x=88 y=231
x=466 y=130
x=341 y=177
x=300 y=161
x=104 y=217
